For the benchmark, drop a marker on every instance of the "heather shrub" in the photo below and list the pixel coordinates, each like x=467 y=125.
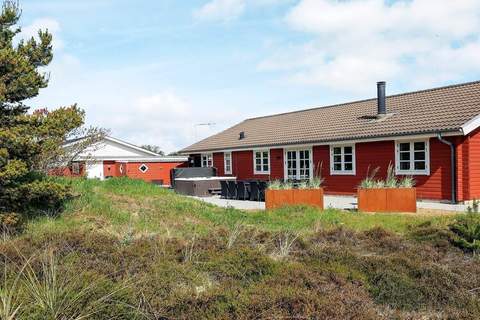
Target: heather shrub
x=466 y=231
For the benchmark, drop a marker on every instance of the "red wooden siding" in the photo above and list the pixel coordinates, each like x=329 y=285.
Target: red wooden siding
x=218 y=163
x=381 y=154
x=242 y=166
x=471 y=171
x=67 y=171
x=156 y=171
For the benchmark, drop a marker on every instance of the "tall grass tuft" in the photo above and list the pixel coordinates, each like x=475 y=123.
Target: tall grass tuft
x=284 y=245
x=58 y=296
x=10 y=304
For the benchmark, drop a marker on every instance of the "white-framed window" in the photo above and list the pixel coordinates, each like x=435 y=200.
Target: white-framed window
x=342 y=159
x=76 y=168
x=143 y=168
x=227 y=162
x=412 y=157
x=207 y=160
x=298 y=164
x=261 y=161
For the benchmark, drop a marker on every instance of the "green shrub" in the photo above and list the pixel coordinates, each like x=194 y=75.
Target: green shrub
x=466 y=231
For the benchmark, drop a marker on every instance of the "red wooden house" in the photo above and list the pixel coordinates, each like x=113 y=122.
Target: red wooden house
x=112 y=157
x=432 y=135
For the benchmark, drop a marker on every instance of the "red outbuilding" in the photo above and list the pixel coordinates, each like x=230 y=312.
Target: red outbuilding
x=112 y=157
x=432 y=135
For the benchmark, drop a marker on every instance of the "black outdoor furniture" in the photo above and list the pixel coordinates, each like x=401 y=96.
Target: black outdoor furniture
x=242 y=192
x=254 y=191
x=262 y=187
x=232 y=190
x=224 y=187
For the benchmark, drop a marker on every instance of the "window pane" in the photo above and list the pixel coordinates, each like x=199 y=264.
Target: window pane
x=258 y=161
x=419 y=156
x=419 y=146
x=258 y=167
x=265 y=167
x=404 y=146
x=265 y=154
x=258 y=155
x=404 y=165
x=348 y=166
x=420 y=165
x=337 y=150
x=265 y=161
x=347 y=150
x=404 y=155
x=337 y=159
x=337 y=167
x=348 y=158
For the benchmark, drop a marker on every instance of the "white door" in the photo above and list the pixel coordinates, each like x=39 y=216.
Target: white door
x=298 y=164
x=95 y=170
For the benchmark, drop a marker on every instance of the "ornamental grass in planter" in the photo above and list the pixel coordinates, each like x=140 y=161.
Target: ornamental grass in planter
x=281 y=194
x=389 y=195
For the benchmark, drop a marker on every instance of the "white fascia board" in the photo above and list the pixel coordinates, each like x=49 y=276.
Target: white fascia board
x=471 y=125
x=129 y=145
x=139 y=159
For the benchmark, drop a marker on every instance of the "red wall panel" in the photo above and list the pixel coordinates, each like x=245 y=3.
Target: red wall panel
x=156 y=171
x=471 y=171
x=380 y=154
x=243 y=165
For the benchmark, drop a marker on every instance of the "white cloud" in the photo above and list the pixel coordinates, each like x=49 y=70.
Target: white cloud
x=221 y=10
x=355 y=43
x=226 y=10
x=52 y=25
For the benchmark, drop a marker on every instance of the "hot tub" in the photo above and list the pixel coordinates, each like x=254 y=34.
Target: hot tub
x=199 y=186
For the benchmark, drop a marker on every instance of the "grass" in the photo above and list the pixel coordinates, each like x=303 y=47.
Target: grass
x=126 y=249
x=118 y=205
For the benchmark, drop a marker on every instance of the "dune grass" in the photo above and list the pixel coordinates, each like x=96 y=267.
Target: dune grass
x=121 y=205
x=125 y=249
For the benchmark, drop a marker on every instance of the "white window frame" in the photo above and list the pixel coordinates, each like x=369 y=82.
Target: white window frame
x=412 y=172
x=343 y=172
x=261 y=157
x=142 y=171
x=297 y=150
x=225 y=162
x=208 y=158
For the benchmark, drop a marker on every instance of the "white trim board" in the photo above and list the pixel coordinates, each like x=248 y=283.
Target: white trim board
x=471 y=125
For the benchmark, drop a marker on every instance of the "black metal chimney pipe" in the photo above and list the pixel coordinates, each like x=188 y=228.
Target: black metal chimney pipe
x=382 y=105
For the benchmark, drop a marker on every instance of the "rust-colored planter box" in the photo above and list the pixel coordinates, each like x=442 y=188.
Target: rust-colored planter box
x=387 y=200
x=280 y=198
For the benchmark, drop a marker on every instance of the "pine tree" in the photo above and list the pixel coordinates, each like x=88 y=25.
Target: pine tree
x=28 y=139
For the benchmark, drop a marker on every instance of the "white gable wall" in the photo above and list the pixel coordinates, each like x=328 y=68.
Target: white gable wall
x=111 y=150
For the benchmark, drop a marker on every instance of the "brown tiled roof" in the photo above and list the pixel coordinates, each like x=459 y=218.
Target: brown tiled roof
x=443 y=109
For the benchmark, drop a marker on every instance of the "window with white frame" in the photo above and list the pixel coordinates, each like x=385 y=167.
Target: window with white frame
x=207 y=160
x=261 y=161
x=227 y=162
x=412 y=157
x=342 y=159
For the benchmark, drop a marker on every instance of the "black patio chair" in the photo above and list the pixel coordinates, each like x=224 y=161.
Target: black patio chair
x=232 y=190
x=261 y=190
x=224 y=187
x=254 y=191
x=242 y=192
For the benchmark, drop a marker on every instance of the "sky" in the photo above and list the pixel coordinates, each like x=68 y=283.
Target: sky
x=153 y=71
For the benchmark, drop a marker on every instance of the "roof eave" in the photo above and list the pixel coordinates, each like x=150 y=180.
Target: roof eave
x=430 y=133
